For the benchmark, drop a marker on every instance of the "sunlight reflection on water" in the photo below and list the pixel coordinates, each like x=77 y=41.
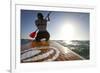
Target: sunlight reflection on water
x=68 y=41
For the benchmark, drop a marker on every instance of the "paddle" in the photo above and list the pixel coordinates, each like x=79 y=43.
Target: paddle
x=33 y=34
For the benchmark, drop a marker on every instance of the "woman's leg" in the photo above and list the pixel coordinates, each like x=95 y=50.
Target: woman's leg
x=38 y=37
x=47 y=35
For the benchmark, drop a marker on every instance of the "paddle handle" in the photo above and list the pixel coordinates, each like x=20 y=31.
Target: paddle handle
x=36 y=30
x=48 y=15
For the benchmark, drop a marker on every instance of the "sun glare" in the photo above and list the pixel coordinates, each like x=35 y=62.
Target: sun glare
x=68 y=31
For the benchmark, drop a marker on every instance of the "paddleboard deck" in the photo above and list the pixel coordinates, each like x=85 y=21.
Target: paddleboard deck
x=47 y=51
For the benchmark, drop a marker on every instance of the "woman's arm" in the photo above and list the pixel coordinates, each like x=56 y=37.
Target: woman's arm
x=47 y=17
x=36 y=22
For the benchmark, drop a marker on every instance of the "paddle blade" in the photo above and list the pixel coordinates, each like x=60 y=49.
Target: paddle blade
x=33 y=34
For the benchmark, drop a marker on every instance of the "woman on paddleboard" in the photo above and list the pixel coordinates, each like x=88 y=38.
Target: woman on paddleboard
x=41 y=24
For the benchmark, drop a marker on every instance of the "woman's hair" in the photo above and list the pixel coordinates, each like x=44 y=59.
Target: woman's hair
x=40 y=15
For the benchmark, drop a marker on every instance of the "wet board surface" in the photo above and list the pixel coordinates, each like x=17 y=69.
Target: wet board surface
x=47 y=51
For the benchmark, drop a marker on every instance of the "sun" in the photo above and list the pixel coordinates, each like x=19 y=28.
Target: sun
x=68 y=31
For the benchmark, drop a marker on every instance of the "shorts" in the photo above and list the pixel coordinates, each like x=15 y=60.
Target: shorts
x=42 y=35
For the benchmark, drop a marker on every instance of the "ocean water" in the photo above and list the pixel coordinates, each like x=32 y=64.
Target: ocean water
x=25 y=41
x=81 y=47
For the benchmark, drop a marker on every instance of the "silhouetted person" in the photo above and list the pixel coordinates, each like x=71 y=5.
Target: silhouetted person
x=41 y=24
